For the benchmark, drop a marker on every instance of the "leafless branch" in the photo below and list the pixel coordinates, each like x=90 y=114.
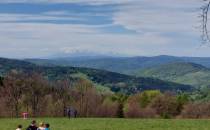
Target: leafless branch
x=204 y=16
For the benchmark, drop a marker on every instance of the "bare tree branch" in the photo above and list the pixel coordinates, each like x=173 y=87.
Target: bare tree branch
x=204 y=16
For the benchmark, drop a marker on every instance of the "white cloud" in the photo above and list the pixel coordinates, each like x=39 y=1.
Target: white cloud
x=33 y=39
x=169 y=3
x=94 y=2
x=162 y=26
x=29 y=17
x=165 y=16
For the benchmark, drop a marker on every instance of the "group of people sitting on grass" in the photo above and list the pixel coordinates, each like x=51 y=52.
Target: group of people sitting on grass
x=33 y=126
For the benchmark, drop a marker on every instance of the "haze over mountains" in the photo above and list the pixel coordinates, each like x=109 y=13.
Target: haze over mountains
x=192 y=71
x=125 y=65
x=122 y=74
x=103 y=80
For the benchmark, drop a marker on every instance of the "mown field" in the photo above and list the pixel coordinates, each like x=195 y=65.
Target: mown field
x=111 y=124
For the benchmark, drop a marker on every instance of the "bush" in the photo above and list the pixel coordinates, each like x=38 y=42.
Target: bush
x=107 y=109
x=196 y=110
x=134 y=110
x=165 y=105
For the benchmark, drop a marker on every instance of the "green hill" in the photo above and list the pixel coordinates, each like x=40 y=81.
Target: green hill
x=124 y=65
x=114 y=81
x=179 y=72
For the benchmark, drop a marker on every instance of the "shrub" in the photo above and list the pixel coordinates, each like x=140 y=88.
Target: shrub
x=134 y=110
x=165 y=105
x=196 y=110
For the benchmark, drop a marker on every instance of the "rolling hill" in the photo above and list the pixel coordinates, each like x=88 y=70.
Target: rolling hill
x=114 y=81
x=124 y=65
x=179 y=72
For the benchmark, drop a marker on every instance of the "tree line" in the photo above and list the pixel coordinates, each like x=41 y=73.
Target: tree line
x=41 y=97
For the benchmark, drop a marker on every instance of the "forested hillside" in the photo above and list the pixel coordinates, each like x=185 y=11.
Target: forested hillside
x=125 y=65
x=181 y=72
x=114 y=81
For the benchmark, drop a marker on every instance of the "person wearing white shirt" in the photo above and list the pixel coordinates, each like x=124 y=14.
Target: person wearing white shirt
x=19 y=127
x=41 y=126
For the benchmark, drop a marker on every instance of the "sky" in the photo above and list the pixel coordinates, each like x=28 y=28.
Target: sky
x=43 y=28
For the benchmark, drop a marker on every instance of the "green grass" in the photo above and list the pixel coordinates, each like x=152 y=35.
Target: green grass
x=111 y=124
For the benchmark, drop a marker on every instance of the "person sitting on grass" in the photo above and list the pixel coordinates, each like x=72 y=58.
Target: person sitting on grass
x=19 y=127
x=32 y=126
x=41 y=126
x=47 y=126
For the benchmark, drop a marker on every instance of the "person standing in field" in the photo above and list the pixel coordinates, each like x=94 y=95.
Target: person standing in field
x=69 y=112
x=75 y=113
x=41 y=126
x=19 y=127
x=32 y=126
x=72 y=112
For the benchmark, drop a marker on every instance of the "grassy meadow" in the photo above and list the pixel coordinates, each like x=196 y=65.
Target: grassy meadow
x=110 y=124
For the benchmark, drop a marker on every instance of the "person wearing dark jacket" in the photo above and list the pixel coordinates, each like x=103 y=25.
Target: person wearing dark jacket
x=32 y=126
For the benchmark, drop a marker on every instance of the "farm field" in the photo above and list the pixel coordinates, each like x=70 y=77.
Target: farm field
x=110 y=124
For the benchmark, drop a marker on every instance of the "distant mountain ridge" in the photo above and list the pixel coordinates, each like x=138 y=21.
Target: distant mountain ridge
x=124 y=65
x=185 y=70
x=114 y=81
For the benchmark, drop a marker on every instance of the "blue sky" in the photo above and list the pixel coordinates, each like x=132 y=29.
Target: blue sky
x=41 y=28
